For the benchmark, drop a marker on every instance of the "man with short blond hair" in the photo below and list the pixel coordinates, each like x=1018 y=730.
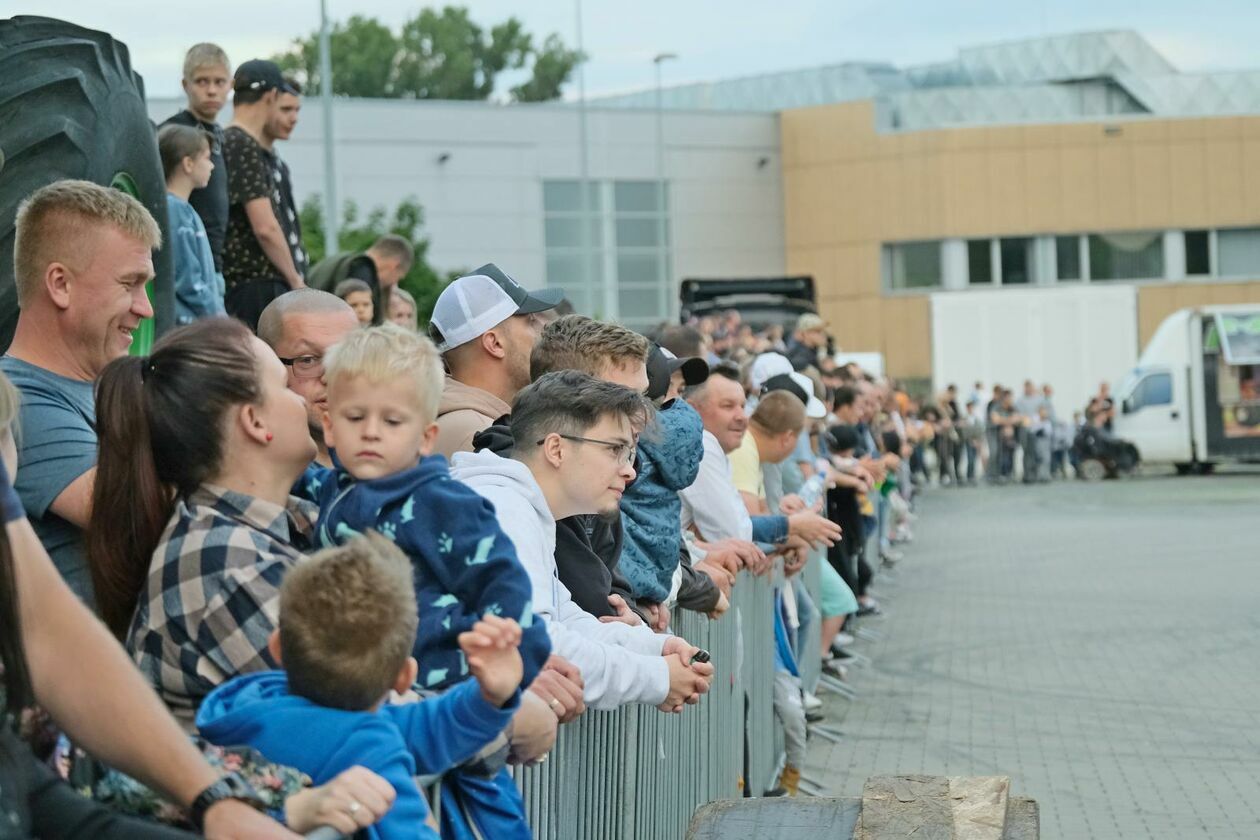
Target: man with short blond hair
x=207 y=78
x=82 y=258
x=597 y=348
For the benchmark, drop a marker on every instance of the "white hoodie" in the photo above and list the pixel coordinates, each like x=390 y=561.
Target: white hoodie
x=619 y=663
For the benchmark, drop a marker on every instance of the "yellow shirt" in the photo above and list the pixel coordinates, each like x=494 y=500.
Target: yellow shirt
x=746 y=468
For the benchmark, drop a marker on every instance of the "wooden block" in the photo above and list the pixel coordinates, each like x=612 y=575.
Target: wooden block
x=906 y=806
x=979 y=806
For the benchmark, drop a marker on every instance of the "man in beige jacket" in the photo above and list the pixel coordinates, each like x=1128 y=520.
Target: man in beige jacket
x=485 y=324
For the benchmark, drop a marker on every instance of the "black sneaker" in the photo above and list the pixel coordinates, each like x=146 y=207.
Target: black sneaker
x=841 y=655
x=815 y=717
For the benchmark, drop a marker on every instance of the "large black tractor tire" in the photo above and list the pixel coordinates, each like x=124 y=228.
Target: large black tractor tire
x=72 y=107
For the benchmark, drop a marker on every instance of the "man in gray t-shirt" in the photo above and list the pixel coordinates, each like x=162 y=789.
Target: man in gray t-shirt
x=83 y=256
x=56 y=438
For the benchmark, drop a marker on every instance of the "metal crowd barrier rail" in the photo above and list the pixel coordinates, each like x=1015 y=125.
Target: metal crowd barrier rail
x=639 y=774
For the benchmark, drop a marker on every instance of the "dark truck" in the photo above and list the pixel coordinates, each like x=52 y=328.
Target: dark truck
x=760 y=301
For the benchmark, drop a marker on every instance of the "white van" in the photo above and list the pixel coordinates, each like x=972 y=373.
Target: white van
x=1194 y=398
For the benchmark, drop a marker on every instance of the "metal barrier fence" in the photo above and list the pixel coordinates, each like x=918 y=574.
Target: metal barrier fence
x=639 y=774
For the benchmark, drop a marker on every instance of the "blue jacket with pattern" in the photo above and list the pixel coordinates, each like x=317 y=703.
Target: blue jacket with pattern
x=668 y=461
x=465 y=566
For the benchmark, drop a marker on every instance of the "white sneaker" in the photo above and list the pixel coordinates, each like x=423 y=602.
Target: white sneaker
x=811 y=702
x=843 y=639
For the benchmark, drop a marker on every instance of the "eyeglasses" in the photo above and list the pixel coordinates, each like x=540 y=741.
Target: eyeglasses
x=623 y=452
x=306 y=367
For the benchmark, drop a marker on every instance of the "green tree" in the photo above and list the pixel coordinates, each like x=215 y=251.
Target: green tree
x=423 y=281
x=436 y=55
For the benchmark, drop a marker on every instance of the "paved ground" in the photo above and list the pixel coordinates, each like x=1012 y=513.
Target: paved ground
x=1099 y=644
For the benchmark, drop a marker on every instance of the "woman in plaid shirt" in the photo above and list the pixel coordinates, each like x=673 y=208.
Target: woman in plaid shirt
x=199 y=445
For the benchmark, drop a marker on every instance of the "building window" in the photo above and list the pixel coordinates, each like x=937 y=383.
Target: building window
x=1017 y=261
x=1198 y=253
x=1067 y=250
x=615 y=240
x=574 y=264
x=913 y=265
x=979 y=261
x=641 y=255
x=1126 y=256
x=1238 y=252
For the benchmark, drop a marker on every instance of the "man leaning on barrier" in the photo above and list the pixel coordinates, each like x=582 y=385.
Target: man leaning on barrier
x=574 y=447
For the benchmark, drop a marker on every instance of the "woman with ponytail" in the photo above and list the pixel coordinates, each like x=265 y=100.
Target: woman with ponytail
x=192 y=524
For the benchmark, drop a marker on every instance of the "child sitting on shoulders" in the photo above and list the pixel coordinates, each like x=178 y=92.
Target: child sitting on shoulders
x=347 y=621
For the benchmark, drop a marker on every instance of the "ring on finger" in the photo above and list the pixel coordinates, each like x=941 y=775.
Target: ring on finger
x=355 y=807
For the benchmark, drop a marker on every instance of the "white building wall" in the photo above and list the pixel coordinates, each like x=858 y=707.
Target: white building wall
x=485 y=202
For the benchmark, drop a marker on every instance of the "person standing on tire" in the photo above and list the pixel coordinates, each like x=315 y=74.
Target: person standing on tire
x=258 y=264
x=206 y=79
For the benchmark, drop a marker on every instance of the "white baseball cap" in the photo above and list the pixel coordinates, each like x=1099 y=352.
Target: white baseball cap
x=765 y=366
x=477 y=302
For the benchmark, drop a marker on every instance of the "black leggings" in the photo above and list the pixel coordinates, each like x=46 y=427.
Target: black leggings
x=855 y=571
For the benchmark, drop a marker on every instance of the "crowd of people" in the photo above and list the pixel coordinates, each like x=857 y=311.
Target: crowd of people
x=997 y=435
x=305 y=564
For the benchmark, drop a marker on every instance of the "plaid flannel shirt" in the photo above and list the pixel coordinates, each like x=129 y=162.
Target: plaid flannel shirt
x=212 y=597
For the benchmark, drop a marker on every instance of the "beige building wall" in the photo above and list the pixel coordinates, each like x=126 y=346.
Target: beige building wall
x=848 y=189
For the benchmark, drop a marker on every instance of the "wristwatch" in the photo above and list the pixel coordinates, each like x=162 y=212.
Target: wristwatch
x=230 y=786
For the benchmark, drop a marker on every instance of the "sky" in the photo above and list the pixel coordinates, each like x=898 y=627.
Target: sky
x=714 y=39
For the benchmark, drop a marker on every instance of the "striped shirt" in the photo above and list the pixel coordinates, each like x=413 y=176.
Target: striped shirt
x=212 y=596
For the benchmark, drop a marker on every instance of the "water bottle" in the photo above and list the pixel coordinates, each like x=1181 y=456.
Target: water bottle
x=813 y=488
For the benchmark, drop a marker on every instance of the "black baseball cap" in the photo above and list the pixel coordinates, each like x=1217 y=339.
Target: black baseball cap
x=261 y=75
x=526 y=302
x=661 y=365
x=843 y=437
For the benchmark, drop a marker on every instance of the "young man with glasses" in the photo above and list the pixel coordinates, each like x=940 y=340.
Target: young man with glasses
x=574 y=454
x=300 y=326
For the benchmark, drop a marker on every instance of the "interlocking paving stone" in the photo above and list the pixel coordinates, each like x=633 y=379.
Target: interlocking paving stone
x=1098 y=643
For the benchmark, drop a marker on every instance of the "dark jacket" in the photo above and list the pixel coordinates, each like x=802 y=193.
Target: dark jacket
x=34 y=802
x=331 y=270
x=588 y=547
x=800 y=355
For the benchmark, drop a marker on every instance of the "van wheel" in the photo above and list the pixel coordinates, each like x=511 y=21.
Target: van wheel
x=1204 y=468
x=1093 y=470
x=72 y=107
x=1184 y=469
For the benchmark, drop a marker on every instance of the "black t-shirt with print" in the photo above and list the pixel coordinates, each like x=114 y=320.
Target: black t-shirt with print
x=251 y=175
x=288 y=214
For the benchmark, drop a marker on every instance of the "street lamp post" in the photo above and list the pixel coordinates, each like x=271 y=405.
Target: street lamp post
x=331 y=220
x=584 y=241
x=662 y=252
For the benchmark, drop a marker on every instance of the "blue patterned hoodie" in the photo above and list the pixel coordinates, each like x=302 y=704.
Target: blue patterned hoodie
x=669 y=459
x=465 y=566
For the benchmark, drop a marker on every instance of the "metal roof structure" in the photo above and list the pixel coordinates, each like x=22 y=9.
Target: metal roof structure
x=1059 y=78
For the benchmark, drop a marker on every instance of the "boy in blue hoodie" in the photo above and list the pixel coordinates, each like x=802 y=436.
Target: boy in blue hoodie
x=347 y=620
x=384 y=384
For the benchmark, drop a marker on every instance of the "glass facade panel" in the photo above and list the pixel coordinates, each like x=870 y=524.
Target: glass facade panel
x=637 y=233
x=1067 y=250
x=566 y=272
x=566 y=197
x=566 y=232
x=914 y=265
x=1238 y=252
x=639 y=301
x=638 y=268
x=636 y=197
x=979 y=261
x=1126 y=256
x=1198 y=253
x=1017 y=261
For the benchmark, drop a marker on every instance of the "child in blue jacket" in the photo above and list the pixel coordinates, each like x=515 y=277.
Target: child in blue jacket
x=186 y=162
x=347 y=620
x=384 y=384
